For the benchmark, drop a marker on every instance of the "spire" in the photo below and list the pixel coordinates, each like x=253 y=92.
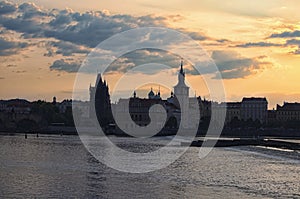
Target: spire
x=181 y=67
x=99 y=79
x=181 y=75
x=158 y=90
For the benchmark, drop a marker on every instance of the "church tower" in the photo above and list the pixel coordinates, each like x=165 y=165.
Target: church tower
x=181 y=92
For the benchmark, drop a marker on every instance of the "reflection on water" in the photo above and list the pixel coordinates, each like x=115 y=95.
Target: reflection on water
x=60 y=166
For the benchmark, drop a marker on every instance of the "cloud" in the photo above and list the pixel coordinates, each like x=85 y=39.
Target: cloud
x=65 y=48
x=7 y=7
x=232 y=65
x=197 y=36
x=20 y=71
x=285 y=34
x=65 y=65
x=68 y=33
x=257 y=44
x=10 y=47
x=296 y=52
x=88 y=28
x=30 y=10
x=292 y=42
x=11 y=65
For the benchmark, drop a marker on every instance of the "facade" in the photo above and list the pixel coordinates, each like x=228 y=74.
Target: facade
x=272 y=117
x=138 y=111
x=254 y=108
x=288 y=112
x=233 y=111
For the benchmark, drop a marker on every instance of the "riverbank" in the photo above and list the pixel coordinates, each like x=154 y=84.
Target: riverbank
x=288 y=143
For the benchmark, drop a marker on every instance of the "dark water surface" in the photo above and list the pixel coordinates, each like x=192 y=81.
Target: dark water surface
x=60 y=166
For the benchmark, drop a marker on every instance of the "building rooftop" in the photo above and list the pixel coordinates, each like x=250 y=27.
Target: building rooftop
x=249 y=99
x=289 y=106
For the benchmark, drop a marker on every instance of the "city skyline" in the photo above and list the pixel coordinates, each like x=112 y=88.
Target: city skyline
x=255 y=50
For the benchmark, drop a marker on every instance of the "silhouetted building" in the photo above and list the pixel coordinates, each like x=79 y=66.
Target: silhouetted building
x=233 y=111
x=272 y=117
x=288 y=112
x=64 y=105
x=177 y=106
x=54 y=100
x=20 y=106
x=254 y=108
x=100 y=102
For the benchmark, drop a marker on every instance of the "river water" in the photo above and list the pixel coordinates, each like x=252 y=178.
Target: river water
x=61 y=167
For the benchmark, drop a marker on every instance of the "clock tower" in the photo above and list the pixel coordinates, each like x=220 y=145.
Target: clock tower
x=181 y=92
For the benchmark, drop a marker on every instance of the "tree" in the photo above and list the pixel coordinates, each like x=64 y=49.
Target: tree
x=27 y=125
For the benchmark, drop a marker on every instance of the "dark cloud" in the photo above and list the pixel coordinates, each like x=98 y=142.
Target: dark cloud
x=10 y=47
x=89 y=28
x=65 y=65
x=232 y=65
x=60 y=20
x=223 y=40
x=76 y=33
x=285 y=34
x=292 y=42
x=65 y=48
x=7 y=7
x=257 y=44
x=30 y=10
x=28 y=27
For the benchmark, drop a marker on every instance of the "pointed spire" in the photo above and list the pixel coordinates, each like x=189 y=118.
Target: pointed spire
x=181 y=67
x=159 y=90
x=99 y=79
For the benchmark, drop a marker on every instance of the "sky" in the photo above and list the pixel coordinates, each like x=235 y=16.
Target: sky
x=255 y=45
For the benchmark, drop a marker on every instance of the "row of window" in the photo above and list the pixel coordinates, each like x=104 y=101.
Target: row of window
x=288 y=113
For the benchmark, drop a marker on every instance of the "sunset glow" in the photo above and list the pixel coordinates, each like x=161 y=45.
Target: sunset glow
x=255 y=44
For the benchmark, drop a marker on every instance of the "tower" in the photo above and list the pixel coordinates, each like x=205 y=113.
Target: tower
x=100 y=101
x=181 y=92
